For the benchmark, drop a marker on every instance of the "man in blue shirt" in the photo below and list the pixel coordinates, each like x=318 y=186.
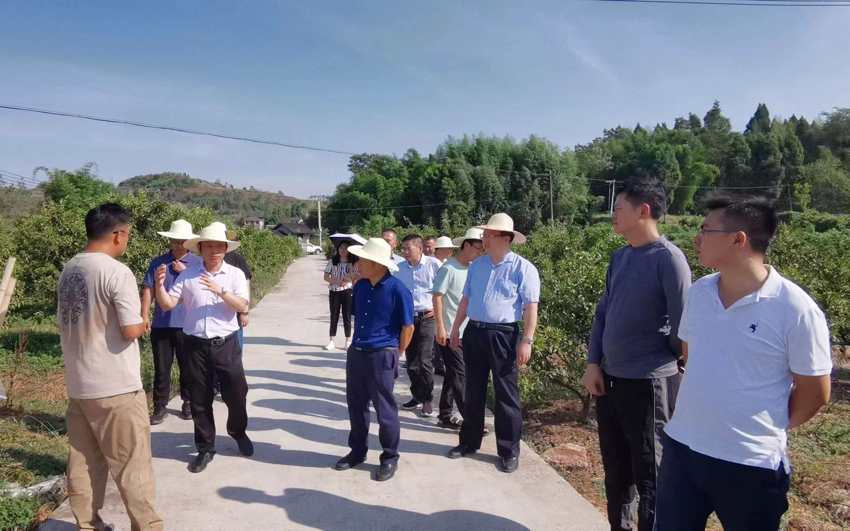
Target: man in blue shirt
x=418 y=273
x=500 y=289
x=167 y=327
x=383 y=312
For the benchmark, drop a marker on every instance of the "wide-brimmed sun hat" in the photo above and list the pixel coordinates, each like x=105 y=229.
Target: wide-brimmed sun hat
x=503 y=223
x=180 y=230
x=444 y=242
x=231 y=234
x=376 y=250
x=471 y=234
x=212 y=233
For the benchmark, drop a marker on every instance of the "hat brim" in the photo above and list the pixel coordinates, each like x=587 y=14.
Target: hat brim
x=518 y=236
x=386 y=261
x=460 y=239
x=192 y=245
x=178 y=236
x=454 y=245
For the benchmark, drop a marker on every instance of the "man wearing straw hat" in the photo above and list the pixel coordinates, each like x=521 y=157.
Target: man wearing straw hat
x=166 y=330
x=501 y=289
x=448 y=292
x=383 y=311
x=213 y=292
x=443 y=248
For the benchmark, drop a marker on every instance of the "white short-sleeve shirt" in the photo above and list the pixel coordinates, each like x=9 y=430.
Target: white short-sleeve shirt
x=207 y=315
x=733 y=401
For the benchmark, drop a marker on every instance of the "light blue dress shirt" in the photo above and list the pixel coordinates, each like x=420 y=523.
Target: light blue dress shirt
x=497 y=293
x=420 y=281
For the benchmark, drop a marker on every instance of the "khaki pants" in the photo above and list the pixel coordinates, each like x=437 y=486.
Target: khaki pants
x=111 y=435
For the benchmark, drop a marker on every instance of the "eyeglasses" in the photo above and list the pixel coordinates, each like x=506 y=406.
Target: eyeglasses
x=703 y=231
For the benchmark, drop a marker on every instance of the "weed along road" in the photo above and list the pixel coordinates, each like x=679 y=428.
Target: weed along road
x=298 y=421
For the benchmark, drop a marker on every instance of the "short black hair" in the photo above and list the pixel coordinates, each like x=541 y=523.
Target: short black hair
x=756 y=216
x=429 y=238
x=412 y=237
x=647 y=191
x=104 y=219
x=389 y=230
x=509 y=234
x=464 y=243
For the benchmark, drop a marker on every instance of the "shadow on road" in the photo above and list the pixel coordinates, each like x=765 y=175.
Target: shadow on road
x=320 y=364
x=275 y=341
x=328 y=512
x=181 y=447
x=305 y=379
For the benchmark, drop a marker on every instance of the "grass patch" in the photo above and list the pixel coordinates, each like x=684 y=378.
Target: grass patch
x=23 y=513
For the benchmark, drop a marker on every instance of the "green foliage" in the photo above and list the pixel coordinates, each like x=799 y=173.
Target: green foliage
x=18 y=514
x=75 y=189
x=829 y=185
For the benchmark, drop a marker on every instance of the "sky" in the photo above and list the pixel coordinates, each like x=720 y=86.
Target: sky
x=383 y=77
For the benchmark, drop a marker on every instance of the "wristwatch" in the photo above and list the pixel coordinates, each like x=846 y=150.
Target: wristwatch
x=527 y=339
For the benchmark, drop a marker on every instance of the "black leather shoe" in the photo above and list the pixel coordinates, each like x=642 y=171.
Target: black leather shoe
x=440 y=370
x=510 y=464
x=349 y=461
x=385 y=471
x=246 y=447
x=186 y=410
x=158 y=416
x=201 y=462
x=410 y=405
x=460 y=450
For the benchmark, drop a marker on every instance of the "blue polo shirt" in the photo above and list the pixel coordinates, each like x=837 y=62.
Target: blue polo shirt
x=497 y=293
x=174 y=318
x=380 y=311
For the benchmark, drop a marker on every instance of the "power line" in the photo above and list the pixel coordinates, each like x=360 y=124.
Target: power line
x=169 y=128
x=755 y=3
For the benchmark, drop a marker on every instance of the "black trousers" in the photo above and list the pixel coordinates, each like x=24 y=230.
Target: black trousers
x=439 y=363
x=204 y=359
x=692 y=485
x=370 y=375
x=454 y=382
x=340 y=301
x=487 y=350
x=166 y=343
x=420 y=359
x=631 y=416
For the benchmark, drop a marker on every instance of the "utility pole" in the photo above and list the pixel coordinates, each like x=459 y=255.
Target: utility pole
x=551 y=201
x=318 y=199
x=611 y=185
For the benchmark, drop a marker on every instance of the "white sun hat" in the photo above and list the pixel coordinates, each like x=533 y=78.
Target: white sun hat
x=231 y=234
x=471 y=234
x=376 y=250
x=503 y=222
x=213 y=233
x=180 y=230
x=444 y=242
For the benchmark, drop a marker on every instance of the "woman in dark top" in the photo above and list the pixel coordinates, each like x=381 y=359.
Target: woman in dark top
x=341 y=274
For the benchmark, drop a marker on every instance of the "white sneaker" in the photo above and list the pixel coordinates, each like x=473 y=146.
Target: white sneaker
x=347 y=344
x=330 y=345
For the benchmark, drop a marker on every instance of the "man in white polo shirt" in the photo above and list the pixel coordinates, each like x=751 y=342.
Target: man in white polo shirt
x=213 y=293
x=758 y=363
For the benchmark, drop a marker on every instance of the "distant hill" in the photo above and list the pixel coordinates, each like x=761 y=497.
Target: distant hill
x=223 y=199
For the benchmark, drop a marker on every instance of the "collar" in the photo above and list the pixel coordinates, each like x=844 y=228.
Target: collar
x=383 y=280
x=224 y=269
x=510 y=257
x=769 y=290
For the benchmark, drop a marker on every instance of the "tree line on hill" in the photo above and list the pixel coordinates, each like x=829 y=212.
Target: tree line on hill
x=804 y=164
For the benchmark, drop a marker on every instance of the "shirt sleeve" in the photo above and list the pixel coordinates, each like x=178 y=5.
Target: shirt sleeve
x=329 y=267
x=125 y=297
x=467 y=286
x=243 y=265
x=441 y=283
x=239 y=284
x=176 y=290
x=149 y=280
x=406 y=301
x=529 y=288
x=594 y=348
x=676 y=281
x=809 y=353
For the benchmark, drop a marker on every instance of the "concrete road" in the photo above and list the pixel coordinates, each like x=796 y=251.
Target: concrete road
x=299 y=425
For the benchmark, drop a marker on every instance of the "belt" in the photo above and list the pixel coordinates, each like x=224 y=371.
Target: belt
x=212 y=341
x=358 y=349
x=421 y=313
x=504 y=327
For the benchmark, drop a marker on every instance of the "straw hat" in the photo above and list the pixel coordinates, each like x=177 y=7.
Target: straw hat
x=231 y=234
x=503 y=222
x=212 y=233
x=471 y=234
x=180 y=230
x=444 y=242
x=376 y=250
